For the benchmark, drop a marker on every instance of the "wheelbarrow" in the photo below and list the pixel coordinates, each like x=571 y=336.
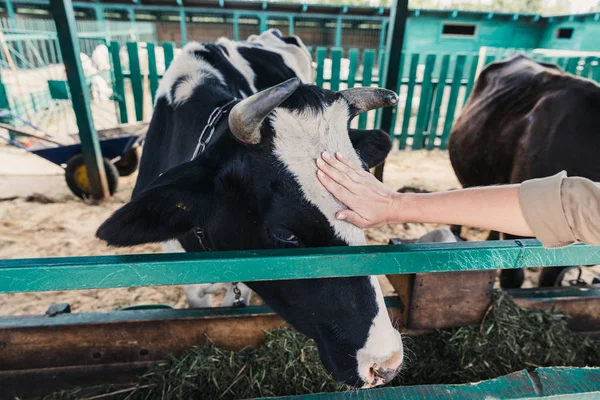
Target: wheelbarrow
x=120 y=148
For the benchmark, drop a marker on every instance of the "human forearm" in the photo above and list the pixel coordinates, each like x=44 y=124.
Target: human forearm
x=495 y=208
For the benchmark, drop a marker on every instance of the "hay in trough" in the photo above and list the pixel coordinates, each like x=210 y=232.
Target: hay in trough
x=509 y=339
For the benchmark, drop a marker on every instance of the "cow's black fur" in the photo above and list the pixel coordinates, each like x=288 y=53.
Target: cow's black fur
x=526 y=120
x=243 y=198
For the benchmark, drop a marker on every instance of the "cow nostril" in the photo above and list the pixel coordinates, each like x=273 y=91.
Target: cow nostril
x=385 y=375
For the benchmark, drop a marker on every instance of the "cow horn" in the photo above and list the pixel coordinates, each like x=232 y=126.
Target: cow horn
x=247 y=116
x=364 y=99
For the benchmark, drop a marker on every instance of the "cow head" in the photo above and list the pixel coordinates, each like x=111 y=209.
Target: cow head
x=256 y=187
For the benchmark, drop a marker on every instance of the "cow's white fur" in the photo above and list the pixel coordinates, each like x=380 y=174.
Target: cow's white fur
x=194 y=70
x=239 y=62
x=300 y=139
x=296 y=58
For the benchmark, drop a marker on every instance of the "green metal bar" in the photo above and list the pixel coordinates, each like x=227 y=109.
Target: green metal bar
x=396 y=108
x=471 y=80
x=70 y=273
x=596 y=71
x=182 y=26
x=62 y=11
x=168 y=49
x=587 y=67
x=368 y=59
x=262 y=21
x=380 y=73
x=353 y=67
x=338 y=32
x=291 y=25
x=489 y=59
x=135 y=74
x=563 y=383
x=4 y=103
x=412 y=78
x=572 y=63
x=336 y=60
x=131 y=13
x=439 y=95
x=382 y=35
x=561 y=62
x=321 y=55
x=459 y=69
x=424 y=104
x=392 y=76
x=152 y=74
x=118 y=81
x=395 y=41
x=236 y=26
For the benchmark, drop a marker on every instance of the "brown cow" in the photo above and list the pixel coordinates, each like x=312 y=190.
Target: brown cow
x=527 y=120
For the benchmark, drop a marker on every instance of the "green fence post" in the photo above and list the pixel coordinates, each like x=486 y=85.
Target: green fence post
x=380 y=73
x=459 y=69
x=131 y=13
x=410 y=91
x=321 y=54
x=135 y=75
x=182 y=26
x=596 y=70
x=367 y=78
x=338 y=32
x=424 y=104
x=236 y=26
x=62 y=11
x=353 y=58
x=572 y=65
x=118 y=81
x=4 y=103
x=152 y=74
x=168 y=49
x=262 y=20
x=439 y=95
x=471 y=80
x=392 y=74
x=291 y=25
x=336 y=60
x=382 y=36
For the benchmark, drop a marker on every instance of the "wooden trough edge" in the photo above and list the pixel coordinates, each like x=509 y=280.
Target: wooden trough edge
x=69 y=350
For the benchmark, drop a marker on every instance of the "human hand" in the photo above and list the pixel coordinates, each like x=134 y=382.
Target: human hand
x=370 y=203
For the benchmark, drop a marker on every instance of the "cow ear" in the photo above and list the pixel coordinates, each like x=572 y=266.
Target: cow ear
x=372 y=146
x=177 y=202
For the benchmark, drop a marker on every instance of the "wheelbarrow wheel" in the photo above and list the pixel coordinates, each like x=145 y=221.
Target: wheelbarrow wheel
x=77 y=177
x=129 y=162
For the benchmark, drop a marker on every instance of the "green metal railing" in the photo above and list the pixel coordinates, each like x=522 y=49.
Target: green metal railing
x=71 y=273
x=433 y=87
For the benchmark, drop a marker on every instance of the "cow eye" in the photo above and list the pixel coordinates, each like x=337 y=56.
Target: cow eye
x=285 y=236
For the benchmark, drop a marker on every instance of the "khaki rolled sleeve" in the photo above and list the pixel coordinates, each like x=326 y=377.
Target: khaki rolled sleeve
x=542 y=207
x=561 y=211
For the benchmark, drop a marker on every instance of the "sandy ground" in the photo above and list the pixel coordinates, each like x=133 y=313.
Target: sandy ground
x=55 y=224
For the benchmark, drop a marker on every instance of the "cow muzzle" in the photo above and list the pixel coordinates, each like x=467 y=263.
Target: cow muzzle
x=382 y=373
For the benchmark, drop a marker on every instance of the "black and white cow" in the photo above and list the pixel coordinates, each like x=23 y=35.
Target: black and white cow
x=255 y=187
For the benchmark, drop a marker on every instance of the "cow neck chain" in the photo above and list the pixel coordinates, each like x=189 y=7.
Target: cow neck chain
x=211 y=125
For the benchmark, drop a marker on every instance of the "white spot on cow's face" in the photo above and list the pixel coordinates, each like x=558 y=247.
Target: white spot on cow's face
x=191 y=70
x=300 y=138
